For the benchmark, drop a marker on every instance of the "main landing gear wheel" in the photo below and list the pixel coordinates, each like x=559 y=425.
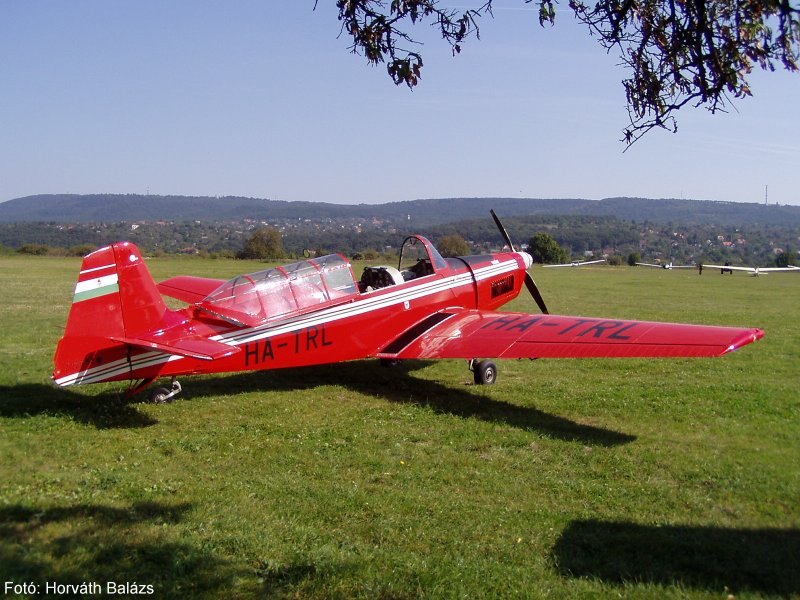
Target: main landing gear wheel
x=484 y=372
x=163 y=395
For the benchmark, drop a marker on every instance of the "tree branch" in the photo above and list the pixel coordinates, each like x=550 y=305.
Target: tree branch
x=678 y=52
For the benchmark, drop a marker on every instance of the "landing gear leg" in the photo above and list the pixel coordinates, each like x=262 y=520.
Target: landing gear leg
x=484 y=371
x=165 y=396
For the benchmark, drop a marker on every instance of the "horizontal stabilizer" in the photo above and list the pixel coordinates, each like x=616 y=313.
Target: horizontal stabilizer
x=193 y=347
x=189 y=289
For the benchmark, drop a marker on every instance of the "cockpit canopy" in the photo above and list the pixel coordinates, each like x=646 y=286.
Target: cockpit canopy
x=419 y=257
x=253 y=298
x=249 y=300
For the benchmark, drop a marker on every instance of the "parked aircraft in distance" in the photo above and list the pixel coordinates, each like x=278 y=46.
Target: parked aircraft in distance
x=577 y=264
x=754 y=271
x=316 y=311
x=668 y=265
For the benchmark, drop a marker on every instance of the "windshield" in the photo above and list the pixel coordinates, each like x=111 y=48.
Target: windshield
x=419 y=258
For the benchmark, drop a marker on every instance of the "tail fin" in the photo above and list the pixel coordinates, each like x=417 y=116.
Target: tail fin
x=115 y=297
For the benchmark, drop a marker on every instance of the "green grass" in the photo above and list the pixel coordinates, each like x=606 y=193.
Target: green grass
x=594 y=478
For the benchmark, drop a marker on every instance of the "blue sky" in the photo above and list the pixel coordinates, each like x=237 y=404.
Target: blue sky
x=263 y=99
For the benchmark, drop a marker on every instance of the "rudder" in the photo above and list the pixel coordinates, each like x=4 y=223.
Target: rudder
x=115 y=297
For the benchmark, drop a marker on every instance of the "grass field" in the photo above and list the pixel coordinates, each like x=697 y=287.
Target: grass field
x=594 y=478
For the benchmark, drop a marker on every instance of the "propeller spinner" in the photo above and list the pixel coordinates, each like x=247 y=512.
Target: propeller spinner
x=529 y=282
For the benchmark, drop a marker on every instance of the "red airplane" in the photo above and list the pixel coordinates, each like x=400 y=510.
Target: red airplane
x=316 y=311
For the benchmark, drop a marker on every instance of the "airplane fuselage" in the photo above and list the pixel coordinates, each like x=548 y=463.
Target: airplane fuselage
x=348 y=328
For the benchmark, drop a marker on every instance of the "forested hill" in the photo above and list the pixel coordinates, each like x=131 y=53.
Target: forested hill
x=71 y=208
x=74 y=208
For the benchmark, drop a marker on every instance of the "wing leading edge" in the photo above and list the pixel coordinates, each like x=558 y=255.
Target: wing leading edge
x=475 y=333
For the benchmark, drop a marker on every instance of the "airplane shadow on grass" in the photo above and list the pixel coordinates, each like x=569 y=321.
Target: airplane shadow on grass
x=113 y=410
x=101 y=543
x=108 y=410
x=397 y=385
x=709 y=558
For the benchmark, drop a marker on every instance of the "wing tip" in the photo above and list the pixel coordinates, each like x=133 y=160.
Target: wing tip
x=748 y=336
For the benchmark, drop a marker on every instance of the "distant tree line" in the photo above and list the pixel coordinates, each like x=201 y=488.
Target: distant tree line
x=578 y=237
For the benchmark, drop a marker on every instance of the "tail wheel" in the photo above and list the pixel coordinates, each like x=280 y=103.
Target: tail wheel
x=484 y=372
x=160 y=396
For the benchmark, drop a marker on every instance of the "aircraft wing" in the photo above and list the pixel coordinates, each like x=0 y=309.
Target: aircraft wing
x=649 y=265
x=755 y=269
x=487 y=334
x=777 y=269
x=746 y=269
x=189 y=289
x=577 y=264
